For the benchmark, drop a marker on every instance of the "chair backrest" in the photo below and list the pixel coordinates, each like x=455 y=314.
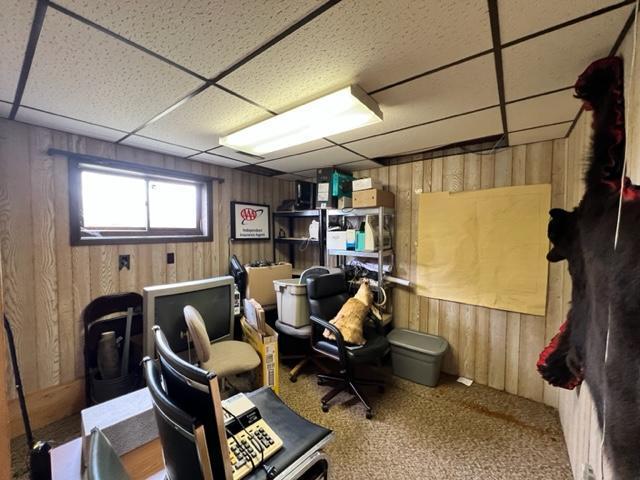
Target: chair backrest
x=196 y=392
x=183 y=442
x=103 y=462
x=198 y=332
x=327 y=294
x=311 y=272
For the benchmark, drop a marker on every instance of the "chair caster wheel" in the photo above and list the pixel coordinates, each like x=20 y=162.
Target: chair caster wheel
x=320 y=381
x=381 y=388
x=369 y=415
x=293 y=379
x=325 y=408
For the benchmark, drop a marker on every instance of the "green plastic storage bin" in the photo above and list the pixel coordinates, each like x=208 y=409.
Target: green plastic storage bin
x=417 y=356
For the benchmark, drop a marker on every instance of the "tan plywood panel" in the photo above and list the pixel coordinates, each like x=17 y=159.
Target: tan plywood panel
x=556 y=59
x=85 y=74
x=372 y=43
x=206 y=36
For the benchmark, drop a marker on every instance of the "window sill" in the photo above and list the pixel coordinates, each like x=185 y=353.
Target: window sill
x=133 y=240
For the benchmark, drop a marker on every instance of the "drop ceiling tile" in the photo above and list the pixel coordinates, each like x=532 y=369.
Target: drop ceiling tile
x=556 y=59
x=552 y=108
x=318 y=159
x=290 y=177
x=296 y=149
x=15 y=25
x=236 y=155
x=5 y=108
x=522 y=17
x=85 y=74
x=217 y=160
x=539 y=134
x=158 y=146
x=363 y=165
x=445 y=132
x=203 y=119
x=206 y=36
x=57 y=122
x=309 y=174
x=465 y=87
x=372 y=43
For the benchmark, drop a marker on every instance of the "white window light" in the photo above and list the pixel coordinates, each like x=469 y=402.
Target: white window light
x=340 y=111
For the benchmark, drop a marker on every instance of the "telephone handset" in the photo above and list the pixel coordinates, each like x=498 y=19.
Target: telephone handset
x=250 y=439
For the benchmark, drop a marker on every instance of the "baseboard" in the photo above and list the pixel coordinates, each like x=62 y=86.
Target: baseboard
x=48 y=405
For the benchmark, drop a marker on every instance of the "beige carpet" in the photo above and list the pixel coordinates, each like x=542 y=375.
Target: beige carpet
x=449 y=432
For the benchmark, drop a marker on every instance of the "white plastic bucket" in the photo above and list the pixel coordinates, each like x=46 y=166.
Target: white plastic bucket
x=293 y=306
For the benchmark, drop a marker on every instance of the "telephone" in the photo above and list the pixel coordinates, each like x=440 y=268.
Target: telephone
x=250 y=439
x=314 y=230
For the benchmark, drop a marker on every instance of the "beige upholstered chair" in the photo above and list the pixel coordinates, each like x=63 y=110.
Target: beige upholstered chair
x=225 y=358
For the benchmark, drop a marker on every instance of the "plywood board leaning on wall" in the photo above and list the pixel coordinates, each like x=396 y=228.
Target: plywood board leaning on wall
x=485 y=247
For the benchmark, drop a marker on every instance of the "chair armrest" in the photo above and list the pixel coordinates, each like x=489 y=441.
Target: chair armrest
x=377 y=323
x=342 y=350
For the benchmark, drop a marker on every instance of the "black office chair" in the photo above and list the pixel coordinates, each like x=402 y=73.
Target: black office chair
x=327 y=294
x=184 y=446
x=103 y=462
x=196 y=392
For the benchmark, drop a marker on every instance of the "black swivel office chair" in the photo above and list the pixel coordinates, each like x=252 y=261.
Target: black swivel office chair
x=196 y=392
x=103 y=462
x=327 y=294
x=184 y=446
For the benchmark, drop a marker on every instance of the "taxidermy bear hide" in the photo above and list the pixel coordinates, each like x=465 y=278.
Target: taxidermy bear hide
x=606 y=282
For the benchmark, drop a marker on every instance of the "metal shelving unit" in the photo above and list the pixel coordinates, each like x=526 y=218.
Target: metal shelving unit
x=295 y=242
x=381 y=255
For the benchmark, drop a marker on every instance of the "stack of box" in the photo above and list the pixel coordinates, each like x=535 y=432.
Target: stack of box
x=368 y=193
x=332 y=186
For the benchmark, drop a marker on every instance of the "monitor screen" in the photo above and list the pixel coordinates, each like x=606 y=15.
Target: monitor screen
x=164 y=307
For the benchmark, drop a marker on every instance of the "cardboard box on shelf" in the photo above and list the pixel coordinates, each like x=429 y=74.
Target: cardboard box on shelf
x=366 y=184
x=373 y=198
x=266 y=344
x=337 y=240
x=260 y=282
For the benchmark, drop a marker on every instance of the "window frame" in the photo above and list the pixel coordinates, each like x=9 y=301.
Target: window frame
x=78 y=163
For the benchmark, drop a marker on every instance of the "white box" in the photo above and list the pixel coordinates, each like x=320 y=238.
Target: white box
x=323 y=192
x=337 y=240
x=366 y=184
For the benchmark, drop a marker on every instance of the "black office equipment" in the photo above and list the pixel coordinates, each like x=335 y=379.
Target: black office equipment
x=305 y=195
x=39 y=451
x=327 y=294
x=239 y=274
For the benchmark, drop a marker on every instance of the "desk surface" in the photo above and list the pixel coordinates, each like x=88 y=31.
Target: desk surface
x=301 y=438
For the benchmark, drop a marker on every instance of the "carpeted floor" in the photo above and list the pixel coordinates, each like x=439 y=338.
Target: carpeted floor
x=449 y=432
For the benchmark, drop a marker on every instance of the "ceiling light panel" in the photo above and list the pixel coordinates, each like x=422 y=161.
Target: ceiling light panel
x=15 y=26
x=158 y=146
x=340 y=111
x=552 y=108
x=305 y=161
x=459 y=129
x=217 y=160
x=371 y=43
x=556 y=59
x=465 y=87
x=219 y=32
x=56 y=122
x=200 y=121
x=523 y=17
x=82 y=73
x=539 y=134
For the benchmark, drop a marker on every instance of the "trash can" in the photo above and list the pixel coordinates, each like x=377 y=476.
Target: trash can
x=291 y=298
x=417 y=356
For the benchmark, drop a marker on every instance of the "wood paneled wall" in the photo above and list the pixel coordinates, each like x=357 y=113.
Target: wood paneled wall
x=492 y=347
x=47 y=282
x=5 y=453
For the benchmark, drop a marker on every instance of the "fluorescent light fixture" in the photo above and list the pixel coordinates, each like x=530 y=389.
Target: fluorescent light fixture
x=341 y=111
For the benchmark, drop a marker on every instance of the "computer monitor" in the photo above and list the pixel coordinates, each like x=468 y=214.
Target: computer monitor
x=163 y=305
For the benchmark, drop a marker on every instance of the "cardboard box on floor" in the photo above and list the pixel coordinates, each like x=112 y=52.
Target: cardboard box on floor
x=266 y=344
x=260 y=282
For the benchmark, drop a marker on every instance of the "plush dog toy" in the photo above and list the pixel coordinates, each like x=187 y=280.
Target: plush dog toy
x=351 y=317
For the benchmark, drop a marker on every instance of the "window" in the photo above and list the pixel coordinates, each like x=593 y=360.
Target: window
x=117 y=202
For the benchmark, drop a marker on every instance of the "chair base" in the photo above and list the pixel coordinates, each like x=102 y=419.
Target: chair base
x=304 y=360
x=350 y=384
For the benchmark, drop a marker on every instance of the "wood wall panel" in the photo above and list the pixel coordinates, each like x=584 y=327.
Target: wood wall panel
x=492 y=347
x=47 y=283
x=5 y=450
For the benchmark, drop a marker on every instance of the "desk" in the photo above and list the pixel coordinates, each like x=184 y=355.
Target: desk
x=302 y=442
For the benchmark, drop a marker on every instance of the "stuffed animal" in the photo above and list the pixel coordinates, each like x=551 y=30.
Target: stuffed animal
x=351 y=317
x=606 y=279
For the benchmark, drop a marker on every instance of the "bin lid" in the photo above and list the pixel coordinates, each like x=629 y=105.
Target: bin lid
x=292 y=285
x=417 y=341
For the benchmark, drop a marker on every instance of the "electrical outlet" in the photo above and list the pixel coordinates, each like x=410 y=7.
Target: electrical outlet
x=124 y=261
x=171 y=258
